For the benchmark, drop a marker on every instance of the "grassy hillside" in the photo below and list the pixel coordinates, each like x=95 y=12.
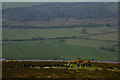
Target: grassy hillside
x=62 y=14
x=35 y=50
x=113 y=8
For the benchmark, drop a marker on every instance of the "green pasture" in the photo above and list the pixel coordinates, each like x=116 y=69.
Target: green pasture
x=37 y=50
x=56 y=32
x=97 y=30
x=86 y=48
x=110 y=36
x=90 y=43
x=18 y=33
x=7 y=5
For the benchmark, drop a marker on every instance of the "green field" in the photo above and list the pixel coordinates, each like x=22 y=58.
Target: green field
x=97 y=30
x=82 y=46
x=47 y=50
x=7 y=5
x=34 y=33
x=90 y=43
x=21 y=33
x=110 y=36
x=17 y=34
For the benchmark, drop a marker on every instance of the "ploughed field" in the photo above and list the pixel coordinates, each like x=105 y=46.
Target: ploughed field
x=33 y=70
x=61 y=43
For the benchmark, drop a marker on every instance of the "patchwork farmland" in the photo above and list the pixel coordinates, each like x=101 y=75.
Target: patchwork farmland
x=62 y=40
x=60 y=31
x=60 y=43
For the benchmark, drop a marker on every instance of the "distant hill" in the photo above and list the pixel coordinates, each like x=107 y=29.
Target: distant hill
x=62 y=14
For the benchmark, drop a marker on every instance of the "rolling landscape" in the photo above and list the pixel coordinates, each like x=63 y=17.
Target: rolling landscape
x=60 y=31
x=58 y=44
x=75 y=41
